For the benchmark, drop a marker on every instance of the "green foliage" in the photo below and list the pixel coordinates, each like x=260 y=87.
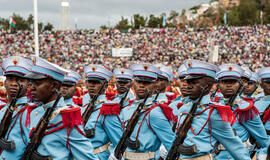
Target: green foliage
x=23 y=24
x=123 y=24
x=140 y=21
x=154 y=22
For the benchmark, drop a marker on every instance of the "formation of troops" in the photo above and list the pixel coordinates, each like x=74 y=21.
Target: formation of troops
x=217 y=116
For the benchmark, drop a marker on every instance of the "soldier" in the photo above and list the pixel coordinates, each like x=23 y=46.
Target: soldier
x=15 y=68
x=63 y=139
x=68 y=88
x=251 y=86
x=180 y=100
x=165 y=77
x=97 y=77
x=153 y=127
x=123 y=83
x=212 y=121
x=248 y=122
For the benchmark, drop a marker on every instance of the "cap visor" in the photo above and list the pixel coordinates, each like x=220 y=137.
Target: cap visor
x=69 y=83
x=123 y=80
x=14 y=74
x=35 y=76
x=194 y=76
x=266 y=79
x=95 y=79
x=229 y=78
x=144 y=79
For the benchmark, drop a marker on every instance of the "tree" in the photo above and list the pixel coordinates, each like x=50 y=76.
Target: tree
x=247 y=12
x=103 y=27
x=139 y=20
x=154 y=22
x=123 y=24
x=48 y=27
x=30 y=20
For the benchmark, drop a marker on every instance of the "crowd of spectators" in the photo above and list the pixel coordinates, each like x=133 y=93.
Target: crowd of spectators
x=73 y=49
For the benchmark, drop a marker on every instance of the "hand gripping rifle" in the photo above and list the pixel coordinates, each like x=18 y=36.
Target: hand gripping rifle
x=125 y=140
x=181 y=134
x=5 y=123
x=89 y=110
x=30 y=152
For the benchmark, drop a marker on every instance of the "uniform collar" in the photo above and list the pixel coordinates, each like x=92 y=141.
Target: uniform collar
x=148 y=101
x=69 y=101
x=22 y=100
x=50 y=104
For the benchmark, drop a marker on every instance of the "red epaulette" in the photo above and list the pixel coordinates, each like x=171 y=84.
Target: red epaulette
x=171 y=97
x=167 y=111
x=71 y=117
x=266 y=116
x=110 y=96
x=216 y=99
x=110 y=109
x=247 y=113
x=225 y=112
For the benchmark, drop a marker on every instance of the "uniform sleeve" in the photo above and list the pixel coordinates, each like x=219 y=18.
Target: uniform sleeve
x=223 y=132
x=113 y=128
x=80 y=146
x=162 y=127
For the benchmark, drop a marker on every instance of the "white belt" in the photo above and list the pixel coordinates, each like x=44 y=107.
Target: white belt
x=222 y=148
x=139 y=156
x=205 y=157
x=103 y=148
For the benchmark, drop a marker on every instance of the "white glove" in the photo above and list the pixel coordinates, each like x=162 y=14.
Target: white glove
x=163 y=152
x=262 y=157
x=112 y=157
x=250 y=146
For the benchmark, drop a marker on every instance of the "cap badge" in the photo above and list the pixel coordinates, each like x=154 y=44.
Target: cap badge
x=15 y=61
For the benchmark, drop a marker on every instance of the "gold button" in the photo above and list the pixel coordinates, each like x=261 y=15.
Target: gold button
x=188 y=104
x=198 y=117
x=190 y=140
x=128 y=108
x=3 y=158
x=229 y=157
x=44 y=148
x=139 y=122
x=36 y=113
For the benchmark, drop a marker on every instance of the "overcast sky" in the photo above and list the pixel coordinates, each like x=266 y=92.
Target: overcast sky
x=94 y=13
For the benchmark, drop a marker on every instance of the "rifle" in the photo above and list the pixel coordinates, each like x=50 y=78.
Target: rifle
x=6 y=121
x=121 y=103
x=90 y=107
x=157 y=95
x=213 y=94
x=36 y=137
x=89 y=110
x=181 y=134
x=125 y=141
x=239 y=91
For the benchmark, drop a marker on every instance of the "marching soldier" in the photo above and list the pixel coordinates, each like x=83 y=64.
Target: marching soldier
x=64 y=137
x=68 y=88
x=180 y=100
x=100 y=134
x=153 y=127
x=123 y=84
x=165 y=77
x=251 y=86
x=211 y=122
x=247 y=122
x=12 y=143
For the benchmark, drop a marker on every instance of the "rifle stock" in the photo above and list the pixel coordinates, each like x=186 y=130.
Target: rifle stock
x=121 y=146
x=38 y=133
x=121 y=103
x=181 y=134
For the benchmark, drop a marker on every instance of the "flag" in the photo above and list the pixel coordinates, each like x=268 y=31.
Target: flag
x=164 y=21
x=225 y=18
x=12 y=22
x=261 y=15
x=132 y=22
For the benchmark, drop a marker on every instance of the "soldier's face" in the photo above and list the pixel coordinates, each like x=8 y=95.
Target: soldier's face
x=94 y=86
x=266 y=87
x=12 y=86
x=122 y=87
x=161 y=85
x=194 y=88
x=250 y=88
x=244 y=81
x=183 y=86
x=42 y=90
x=140 y=88
x=228 y=87
x=68 y=91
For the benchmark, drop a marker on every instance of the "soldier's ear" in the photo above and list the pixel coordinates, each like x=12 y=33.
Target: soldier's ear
x=131 y=83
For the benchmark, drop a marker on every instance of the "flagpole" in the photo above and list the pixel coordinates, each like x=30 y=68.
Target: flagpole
x=36 y=28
